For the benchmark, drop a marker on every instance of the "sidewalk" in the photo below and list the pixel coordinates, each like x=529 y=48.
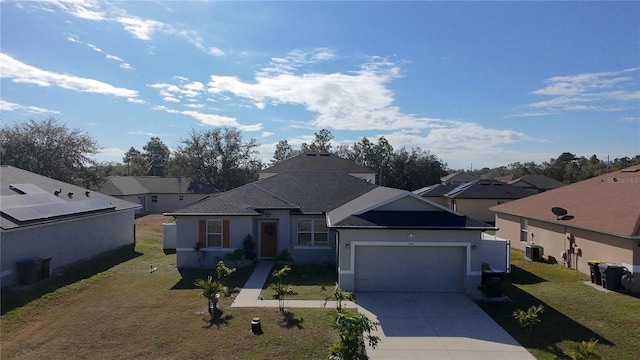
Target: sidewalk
x=249 y=295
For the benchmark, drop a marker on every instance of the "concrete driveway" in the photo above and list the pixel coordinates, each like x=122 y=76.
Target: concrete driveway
x=435 y=326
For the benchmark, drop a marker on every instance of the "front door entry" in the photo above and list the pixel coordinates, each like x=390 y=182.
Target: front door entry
x=268 y=239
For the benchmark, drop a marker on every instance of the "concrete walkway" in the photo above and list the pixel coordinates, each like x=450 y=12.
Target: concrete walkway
x=412 y=325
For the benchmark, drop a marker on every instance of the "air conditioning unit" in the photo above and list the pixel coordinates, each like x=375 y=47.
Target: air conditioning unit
x=534 y=252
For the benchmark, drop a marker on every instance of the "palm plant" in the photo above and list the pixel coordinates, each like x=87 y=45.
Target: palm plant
x=281 y=290
x=211 y=291
x=584 y=351
x=527 y=319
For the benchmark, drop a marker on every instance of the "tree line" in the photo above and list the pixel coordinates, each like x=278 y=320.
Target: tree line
x=221 y=158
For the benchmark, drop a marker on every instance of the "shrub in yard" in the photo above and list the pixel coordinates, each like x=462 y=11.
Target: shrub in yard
x=353 y=329
x=340 y=295
x=249 y=248
x=584 y=351
x=527 y=319
x=284 y=257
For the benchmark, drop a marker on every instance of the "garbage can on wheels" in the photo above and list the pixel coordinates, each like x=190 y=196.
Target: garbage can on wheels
x=596 y=276
x=611 y=276
x=28 y=271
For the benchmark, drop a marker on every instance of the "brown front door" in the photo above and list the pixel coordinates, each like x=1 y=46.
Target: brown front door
x=268 y=239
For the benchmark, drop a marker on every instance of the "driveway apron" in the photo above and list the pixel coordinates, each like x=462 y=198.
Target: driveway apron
x=435 y=326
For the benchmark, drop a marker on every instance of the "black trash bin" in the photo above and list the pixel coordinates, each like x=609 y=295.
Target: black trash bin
x=29 y=271
x=45 y=269
x=596 y=277
x=611 y=276
x=492 y=282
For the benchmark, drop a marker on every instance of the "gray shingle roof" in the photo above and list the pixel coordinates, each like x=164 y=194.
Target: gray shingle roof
x=538 y=181
x=435 y=190
x=12 y=175
x=314 y=192
x=489 y=189
x=136 y=185
x=411 y=219
x=317 y=162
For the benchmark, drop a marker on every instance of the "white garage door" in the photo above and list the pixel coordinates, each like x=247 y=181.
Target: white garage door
x=410 y=268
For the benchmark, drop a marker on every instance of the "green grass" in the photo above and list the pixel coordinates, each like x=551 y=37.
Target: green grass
x=574 y=312
x=113 y=307
x=308 y=282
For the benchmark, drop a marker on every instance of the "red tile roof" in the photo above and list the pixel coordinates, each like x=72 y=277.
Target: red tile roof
x=609 y=203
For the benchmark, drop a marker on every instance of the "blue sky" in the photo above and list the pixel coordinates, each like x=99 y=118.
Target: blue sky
x=479 y=84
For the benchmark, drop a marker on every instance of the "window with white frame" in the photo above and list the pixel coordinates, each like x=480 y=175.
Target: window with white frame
x=312 y=232
x=523 y=230
x=214 y=233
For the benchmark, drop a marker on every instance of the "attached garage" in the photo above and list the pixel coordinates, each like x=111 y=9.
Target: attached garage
x=410 y=268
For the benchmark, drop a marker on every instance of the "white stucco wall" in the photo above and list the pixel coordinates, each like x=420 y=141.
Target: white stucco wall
x=66 y=241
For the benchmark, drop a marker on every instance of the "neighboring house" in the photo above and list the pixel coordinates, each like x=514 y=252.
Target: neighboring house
x=319 y=162
x=436 y=193
x=475 y=198
x=459 y=178
x=156 y=194
x=602 y=222
x=46 y=218
x=539 y=183
x=381 y=239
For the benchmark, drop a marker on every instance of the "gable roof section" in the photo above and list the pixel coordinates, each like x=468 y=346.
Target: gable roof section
x=459 y=178
x=374 y=210
x=308 y=193
x=317 y=162
x=137 y=185
x=488 y=189
x=61 y=207
x=437 y=190
x=607 y=204
x=537 y=181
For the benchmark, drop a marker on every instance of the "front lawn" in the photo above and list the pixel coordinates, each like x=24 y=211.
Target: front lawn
x=573 y=312
x=308 y=282
x=114 y=307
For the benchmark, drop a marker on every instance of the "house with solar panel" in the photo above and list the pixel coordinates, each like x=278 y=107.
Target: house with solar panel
x=47 y=224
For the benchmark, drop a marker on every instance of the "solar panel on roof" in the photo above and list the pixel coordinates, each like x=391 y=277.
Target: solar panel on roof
x=11 y=201
x=52 y=210
x=27 y=188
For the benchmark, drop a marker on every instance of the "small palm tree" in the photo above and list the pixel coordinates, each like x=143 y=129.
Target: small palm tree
x=527 y=319
x=281 y=290
x=353 y=329
x=584 y=351
x=211 y=290
x=340 y=295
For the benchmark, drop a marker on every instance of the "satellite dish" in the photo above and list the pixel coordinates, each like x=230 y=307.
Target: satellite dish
x=566 y=217
x=559 y=212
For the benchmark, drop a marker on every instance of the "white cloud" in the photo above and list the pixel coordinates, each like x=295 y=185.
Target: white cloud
x=9 y=106
x=170 y=99
x=215 y=51
x=20 y=72
x=112 y=151
x=145 y=133
x=601 y=91
x=211 y=119
x=126 y=66
x=189 y=90
x=113 y=57
x=195 y=106
x=267 y=134
x=139 y=28
x=83 y=9
x=135 y=101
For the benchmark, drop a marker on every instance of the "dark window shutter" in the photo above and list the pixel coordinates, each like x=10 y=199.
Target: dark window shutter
x=202 y=233
x=225 y=233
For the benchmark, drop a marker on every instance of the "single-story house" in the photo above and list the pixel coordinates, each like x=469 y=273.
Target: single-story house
x=381 y=239
x=594 y=219
x=475 y=198
x=537 y=182
x=156 y=194
x=43 y=218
